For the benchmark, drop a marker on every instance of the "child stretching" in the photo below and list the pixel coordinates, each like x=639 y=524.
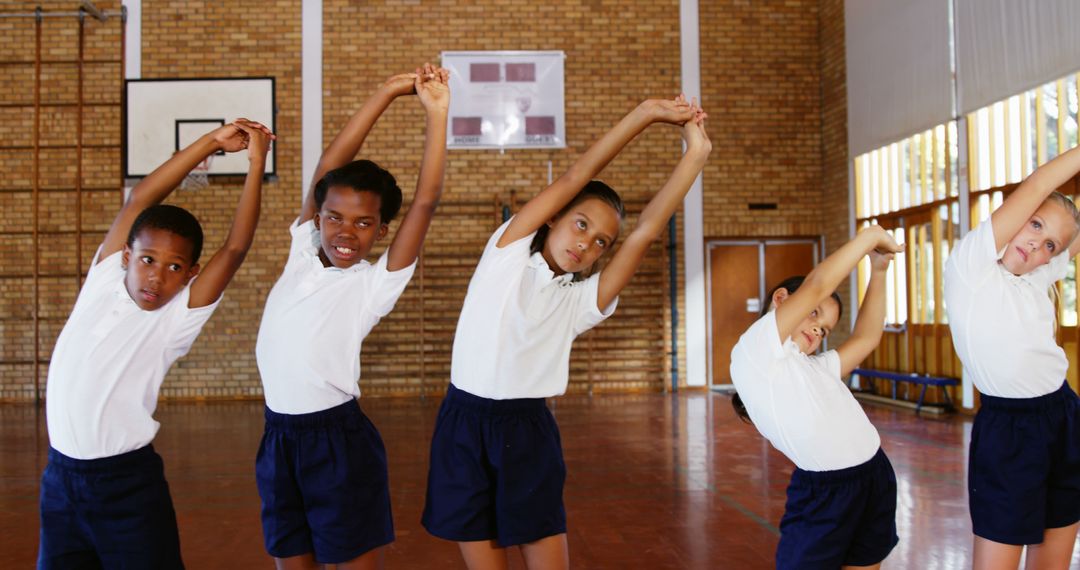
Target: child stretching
x=104 y=499
x=841 y=502
x=321 y=467
x=497 y=472
x=1024 y=462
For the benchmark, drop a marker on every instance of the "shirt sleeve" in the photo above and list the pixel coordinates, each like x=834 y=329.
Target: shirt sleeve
x=764 y=337
x=975 y=255
x=752 y=360
x=830 y=361
x=105 y=268
x=1053 y=271
x=304 y=237
x=386 y=286
x=588 y=313
x=187 y=322
x=518 y=249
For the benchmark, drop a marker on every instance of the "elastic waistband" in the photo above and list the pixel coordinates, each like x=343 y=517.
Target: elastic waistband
x=314 y=420
x=859 y=471
x=462 y=399
x=130 y=459
x=1029 y=405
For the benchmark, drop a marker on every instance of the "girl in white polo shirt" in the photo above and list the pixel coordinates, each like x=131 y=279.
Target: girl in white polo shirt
x=497 y=472
x=1024 y=461
x=841 y=502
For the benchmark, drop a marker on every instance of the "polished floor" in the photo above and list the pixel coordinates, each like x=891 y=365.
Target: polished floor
x=655 y=481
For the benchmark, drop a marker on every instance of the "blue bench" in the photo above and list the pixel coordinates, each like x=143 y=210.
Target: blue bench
x=922 y=379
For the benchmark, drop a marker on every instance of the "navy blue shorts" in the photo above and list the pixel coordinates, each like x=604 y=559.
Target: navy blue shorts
x=1024 y=466
x=113 y=512
x=324 y=486
x=496 y=471
x=839 y=518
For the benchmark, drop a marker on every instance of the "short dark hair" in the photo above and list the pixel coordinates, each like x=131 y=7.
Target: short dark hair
x=363 y=176
x=593 y=189
x=171 y=219
x=791 y=284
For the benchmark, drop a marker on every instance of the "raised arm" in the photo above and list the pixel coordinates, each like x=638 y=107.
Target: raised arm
x=1032 y=192
x=217 y=273
x=347 y=143
x=1074 y=248
x=656 y=214
x=552 y=199
x=826 y=277
x=871 y=321
x=164 y=179
x=432 y=84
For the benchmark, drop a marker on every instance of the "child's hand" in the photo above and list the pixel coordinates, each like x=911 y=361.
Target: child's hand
x=884 y=242
x=232 y=138
x=432 y=84
x=879 y=260
x=401 y=84
x=697 y=140
x=675 y=111
x=258 y=138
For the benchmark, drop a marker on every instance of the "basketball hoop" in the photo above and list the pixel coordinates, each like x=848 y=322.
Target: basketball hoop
x=198 y=178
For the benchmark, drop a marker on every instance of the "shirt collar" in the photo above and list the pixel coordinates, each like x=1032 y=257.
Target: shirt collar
x=791 y=346
x=121 y=292
x=544 y=272
x=1013 y=278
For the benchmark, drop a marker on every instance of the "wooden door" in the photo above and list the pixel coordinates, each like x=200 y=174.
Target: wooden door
x=787 y=259
x=735 y=278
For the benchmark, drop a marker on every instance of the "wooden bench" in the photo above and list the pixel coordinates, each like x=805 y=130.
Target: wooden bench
x=922 y=379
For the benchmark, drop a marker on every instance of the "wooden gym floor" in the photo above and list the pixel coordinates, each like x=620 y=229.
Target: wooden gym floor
x=655 y=481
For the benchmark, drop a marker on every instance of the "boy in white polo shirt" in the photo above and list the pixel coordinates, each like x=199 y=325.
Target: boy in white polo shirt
x=841 y=505
x=321 y=467
x=1024 y=461
x=104 y=499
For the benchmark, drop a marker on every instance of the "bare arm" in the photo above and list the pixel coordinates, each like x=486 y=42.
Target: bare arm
x=217 y=273
x=866 y=336
x=826 y=277
x=432 y=85
x=1022 y=203
x=656 y=214
x=153 y=189
x=347 y=143
x=552 y=199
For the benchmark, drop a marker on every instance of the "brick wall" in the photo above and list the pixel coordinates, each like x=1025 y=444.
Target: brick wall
x=760 y=78
x=769 y=84
x=58 y=253
x=617 y=53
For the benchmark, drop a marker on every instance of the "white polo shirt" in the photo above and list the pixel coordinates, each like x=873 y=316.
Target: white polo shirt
x=799 y=403
x=1003 y=324
x=518 y=322
x=109 y=362
x=314 y=323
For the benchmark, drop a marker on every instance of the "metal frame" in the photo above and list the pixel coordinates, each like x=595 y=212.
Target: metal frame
x=36 y=147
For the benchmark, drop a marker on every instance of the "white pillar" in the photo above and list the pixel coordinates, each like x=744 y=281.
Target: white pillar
x=132 y=55
x=133 y=40
x=693 y=239
x=311 y=93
